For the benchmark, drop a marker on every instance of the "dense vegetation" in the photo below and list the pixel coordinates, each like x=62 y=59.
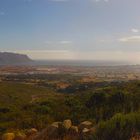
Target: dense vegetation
x=114 y=108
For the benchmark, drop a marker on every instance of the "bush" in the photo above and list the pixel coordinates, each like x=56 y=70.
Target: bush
x=119 y=127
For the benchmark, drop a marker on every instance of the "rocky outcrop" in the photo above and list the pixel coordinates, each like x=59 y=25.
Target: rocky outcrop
x=31 y=133
x=73 y=130
x=85 y=124
x=14 y=136
x=8 y=136
x=67 y=124
x=65 y=130
x=56 y=131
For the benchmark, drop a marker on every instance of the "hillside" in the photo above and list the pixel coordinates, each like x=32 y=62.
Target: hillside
x=113 y=111
x=7 y=58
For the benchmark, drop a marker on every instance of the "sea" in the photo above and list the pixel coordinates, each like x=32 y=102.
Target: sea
x=80 y=63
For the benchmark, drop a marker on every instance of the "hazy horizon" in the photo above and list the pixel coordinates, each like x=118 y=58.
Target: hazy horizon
x=96 y=30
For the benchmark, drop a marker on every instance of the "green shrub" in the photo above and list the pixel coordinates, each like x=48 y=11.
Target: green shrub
x=119 y=127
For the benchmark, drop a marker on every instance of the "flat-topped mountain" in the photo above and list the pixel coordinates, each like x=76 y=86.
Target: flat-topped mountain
x=8 y=58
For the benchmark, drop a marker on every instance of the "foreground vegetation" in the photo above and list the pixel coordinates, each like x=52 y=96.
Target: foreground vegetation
x=114 y=109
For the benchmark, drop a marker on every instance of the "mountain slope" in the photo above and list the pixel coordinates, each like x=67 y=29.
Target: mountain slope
x=13 y=58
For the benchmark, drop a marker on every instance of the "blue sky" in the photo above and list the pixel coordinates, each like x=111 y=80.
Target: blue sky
x=71 y=29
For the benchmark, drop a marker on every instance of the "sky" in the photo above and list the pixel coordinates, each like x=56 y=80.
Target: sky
x=71 y=29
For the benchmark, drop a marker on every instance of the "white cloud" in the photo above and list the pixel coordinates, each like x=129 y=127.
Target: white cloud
x=65 y=42
x=108 y=40
x=130 y=39
x=134 y=30
x=58 y=43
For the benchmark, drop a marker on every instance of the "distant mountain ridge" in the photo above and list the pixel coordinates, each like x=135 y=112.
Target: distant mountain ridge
x=8 y=58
